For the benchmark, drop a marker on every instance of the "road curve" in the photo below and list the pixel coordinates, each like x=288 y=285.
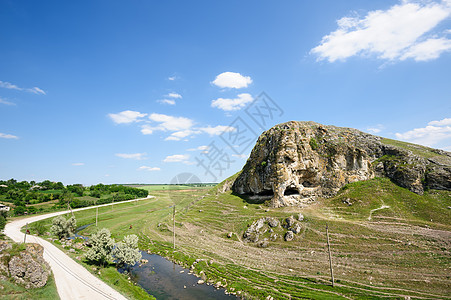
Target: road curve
x=72 y=280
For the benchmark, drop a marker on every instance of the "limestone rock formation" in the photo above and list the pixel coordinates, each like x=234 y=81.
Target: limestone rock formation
x=28 y=267
x=294 y=163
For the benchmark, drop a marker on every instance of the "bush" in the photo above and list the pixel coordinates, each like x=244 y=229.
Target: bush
x=127 y=252
x=63 y=228
x=102 y=247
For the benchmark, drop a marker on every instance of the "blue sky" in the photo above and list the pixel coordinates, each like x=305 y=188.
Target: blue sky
x=140 y=91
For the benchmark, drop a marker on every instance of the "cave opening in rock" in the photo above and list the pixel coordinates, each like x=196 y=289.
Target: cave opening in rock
x=291 y=191
x=266 y=193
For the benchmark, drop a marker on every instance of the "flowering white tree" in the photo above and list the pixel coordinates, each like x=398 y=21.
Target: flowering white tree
x=63 y=228
x=102 y=247
x=127 y=252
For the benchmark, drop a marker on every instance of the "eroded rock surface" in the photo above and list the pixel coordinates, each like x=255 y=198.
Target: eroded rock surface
x=28 y=267
x=294 y=163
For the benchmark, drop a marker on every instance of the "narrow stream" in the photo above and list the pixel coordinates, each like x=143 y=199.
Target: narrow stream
x=165 y=280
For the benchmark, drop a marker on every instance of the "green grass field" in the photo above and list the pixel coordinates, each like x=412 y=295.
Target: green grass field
x=393 y=252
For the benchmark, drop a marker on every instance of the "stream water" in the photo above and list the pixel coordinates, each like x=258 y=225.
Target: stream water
x=165 y=280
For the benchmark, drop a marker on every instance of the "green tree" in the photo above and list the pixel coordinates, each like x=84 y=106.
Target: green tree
x=127 y=252
x=63 y=228
x=102 y=247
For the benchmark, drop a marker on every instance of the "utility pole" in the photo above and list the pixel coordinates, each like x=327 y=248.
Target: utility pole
x=25 y=236
x=173 y=226
x=330 y=256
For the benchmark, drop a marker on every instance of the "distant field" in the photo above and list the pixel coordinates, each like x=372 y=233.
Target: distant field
x=170 y=187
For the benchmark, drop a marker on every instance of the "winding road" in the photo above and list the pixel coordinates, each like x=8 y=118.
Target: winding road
x=72 y=280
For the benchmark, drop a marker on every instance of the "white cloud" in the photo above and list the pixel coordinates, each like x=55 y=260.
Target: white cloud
x=177 y=158
x=232 y=104
x=232 y=80
x=146 y=168
x=8 y=136
x=126 y=116
x=444 y=122
x=403 y=31
x=136 y=156
x=375 y=129
x=146 y=129
x=217 y=130
x=6 y=102
x=200 y=148
x=34 y=90
x=427 y=50
x=172 y=78
x=178 y=135
x=78 y=164
x=434 y=133
x=167 y=101
x=171 y=123
x=174 y=95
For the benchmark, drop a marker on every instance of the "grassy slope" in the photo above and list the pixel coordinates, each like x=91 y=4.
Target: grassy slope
x=400 y=251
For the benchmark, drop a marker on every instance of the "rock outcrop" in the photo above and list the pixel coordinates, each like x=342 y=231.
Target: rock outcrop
x=294 y=163
x=27 y=268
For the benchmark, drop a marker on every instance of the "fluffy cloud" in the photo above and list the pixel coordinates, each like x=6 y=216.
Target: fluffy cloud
x=167 y=101
x=200 y=148
x=434 y=133
x=126 y=116
x=78 y=164
x=217 y=130
x=403 y=31
x=232 y=104
x=146 y=168
x=171 y=123
x=34 y=90
x=177 y=158
x=136 y=156
x=6 y=102
x=174 y=95
x=232 y=80
x=178 y=135
x=375 y=129
x=8 y=136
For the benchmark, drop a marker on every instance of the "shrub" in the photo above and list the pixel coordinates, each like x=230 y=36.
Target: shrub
x=102 y=247
x=127 y=252
x=63 y=228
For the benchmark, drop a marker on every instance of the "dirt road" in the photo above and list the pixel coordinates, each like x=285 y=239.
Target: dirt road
x=72 y=280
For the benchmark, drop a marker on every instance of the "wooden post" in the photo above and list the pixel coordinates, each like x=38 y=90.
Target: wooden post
x=330 y=256
x=173 y=226
x=71 y=210
x=25 y=236
x=97 y=214
x=112 y=203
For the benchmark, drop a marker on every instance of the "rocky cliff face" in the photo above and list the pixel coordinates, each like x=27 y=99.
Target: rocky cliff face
x=294 y=163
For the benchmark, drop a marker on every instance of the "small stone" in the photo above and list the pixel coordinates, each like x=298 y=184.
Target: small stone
x=300 y=217
x=200 y=281
x=230 y=234
x=289 y=236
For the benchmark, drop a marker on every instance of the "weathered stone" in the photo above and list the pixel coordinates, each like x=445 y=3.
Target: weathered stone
x=296 y=228
x=289 y=236
x=272 y=222
x=300 y=217
x=263 y=244
x=290 y=221
x=29 y=267
x=294 y=163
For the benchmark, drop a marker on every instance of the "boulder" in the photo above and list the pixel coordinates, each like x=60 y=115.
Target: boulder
x=29 y=268
x=289 y=236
